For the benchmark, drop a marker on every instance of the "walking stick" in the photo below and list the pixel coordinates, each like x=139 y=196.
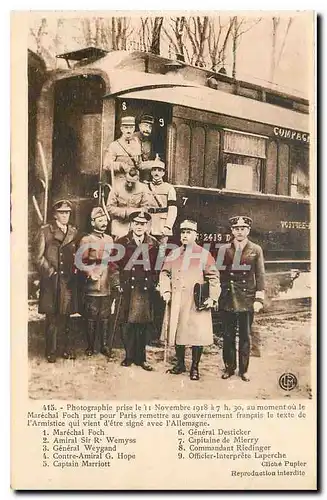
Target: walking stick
x=165 y=327
x=113 y=334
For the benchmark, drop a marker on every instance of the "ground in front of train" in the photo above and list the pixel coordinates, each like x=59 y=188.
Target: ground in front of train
x=285 y=348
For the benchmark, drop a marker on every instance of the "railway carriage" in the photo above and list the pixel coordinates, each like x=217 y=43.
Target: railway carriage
x=230 y=147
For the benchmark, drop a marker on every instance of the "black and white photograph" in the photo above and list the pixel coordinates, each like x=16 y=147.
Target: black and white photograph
x=170 y=187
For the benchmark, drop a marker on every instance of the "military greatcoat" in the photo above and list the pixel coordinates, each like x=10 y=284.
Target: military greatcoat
x=242 y=278
x=138 y=281
x=54 y=259
x=179 y=274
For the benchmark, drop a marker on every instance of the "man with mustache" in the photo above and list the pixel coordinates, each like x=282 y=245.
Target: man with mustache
x=100 y=281
x=125 y=199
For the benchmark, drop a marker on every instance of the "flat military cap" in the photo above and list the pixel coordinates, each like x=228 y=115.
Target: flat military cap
x=189 y=224
x=147 y=119
x=240 y=221
x=140 y=216
x=97 y=212
x=62 y=206
x=128 y=120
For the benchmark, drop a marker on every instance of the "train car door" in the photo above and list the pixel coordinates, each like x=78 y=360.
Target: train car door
x=76 y=147
x=162 y=118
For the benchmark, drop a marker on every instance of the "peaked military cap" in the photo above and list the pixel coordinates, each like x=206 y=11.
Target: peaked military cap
x=189 y=224
x=147 y=119
x=97 y=212
x=62 y=206
x=128 y=120
x=140 y=216
x=240 y=221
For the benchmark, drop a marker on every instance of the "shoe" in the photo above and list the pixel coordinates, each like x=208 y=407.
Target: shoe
x=69 y=355
x=89 y=351
x=126 y=362
x=146 y=366
x=177 y=369
x=227 y=375
x=245 y=378
x=106 y=351
x=51 y=358
x=194 y=373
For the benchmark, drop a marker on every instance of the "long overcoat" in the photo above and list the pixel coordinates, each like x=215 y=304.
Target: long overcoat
x=54 y=258
x=242 y=278
x=179 y=274
x=138 y=280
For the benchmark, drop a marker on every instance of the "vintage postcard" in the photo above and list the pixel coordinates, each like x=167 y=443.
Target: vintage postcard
x=163 y=251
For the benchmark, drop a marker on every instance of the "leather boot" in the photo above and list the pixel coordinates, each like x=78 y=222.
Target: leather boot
x=180 y=365
x=196 y=356
x=90 y=335
x=104 y=333
x=69 y=352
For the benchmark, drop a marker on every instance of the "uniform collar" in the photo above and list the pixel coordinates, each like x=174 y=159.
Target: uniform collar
x=62 y=227
x=240 y=244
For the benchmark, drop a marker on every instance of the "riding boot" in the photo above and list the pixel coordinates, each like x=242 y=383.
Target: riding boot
x=69 y=352
x=104 y=334
x=180 y=365
x=90 y=335
x=196 y=356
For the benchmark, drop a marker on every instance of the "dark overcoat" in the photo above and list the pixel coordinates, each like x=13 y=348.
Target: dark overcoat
x=239 y=284
x=54 y=258
x=138 y=281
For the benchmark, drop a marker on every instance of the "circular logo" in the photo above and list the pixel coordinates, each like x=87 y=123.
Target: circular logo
x=287 y=381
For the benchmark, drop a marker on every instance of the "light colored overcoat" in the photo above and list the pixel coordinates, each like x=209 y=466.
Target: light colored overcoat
x=182 y=269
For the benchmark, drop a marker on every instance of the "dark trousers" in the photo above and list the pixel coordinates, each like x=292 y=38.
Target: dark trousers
x=234 y=322
x=97 y=310
x=134 y=340
x=55 y=325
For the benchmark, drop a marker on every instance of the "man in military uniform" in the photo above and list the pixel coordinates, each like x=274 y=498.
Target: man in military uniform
x=125 y=199
x=100 y=282
x=242 y=294
x=138 y=280
x=144 y=137
x=55 y=247
x=163 y=207
x=123 y=153
x=188 y=325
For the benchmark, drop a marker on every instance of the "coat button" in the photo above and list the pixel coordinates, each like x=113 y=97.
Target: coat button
x=61 y=272
x=231 y=281
x=232 y=274
x=132 y=287
x=146 y=279
x=243 y=281
x=133 y=278
x=145 y=288
x=244 y=289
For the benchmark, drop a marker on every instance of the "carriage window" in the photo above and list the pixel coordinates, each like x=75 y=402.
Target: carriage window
x=244 y=156
x=300 y=186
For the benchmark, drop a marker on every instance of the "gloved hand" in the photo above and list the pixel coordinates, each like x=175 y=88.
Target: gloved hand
x=209 y=303
x=257 y=306
x=167 y=297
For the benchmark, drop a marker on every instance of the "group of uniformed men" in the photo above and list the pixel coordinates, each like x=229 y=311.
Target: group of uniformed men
x=142 y=219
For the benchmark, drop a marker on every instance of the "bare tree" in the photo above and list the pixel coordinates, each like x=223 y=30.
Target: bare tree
x=218 y=37
x=174 y=30
x=197 y=31
x=275 y=54
x=240 y=27
x=150 y=34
